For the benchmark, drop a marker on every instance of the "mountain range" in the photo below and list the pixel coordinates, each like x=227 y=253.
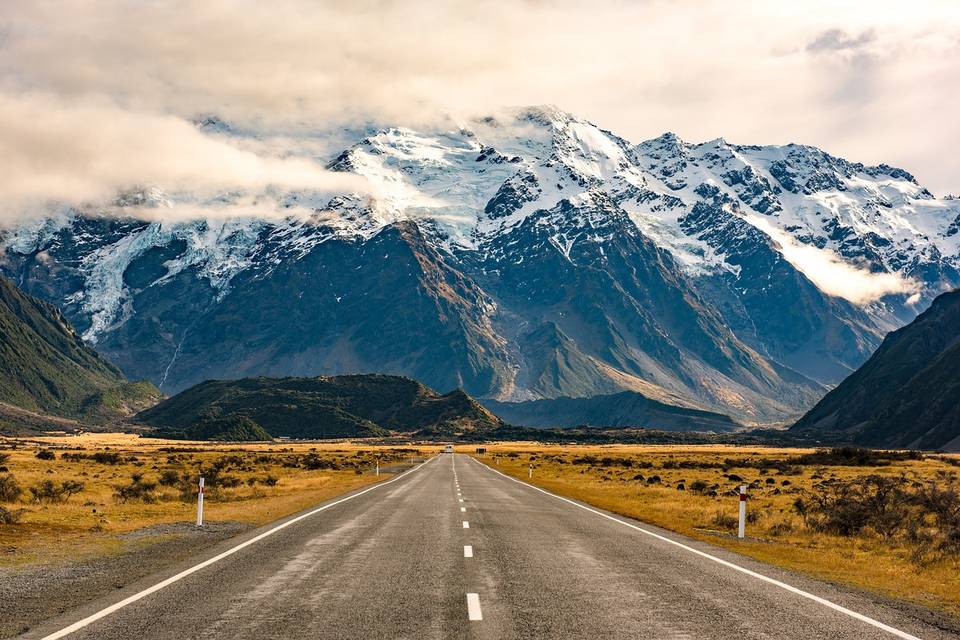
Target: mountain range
x=907 y=395
x=531 y=255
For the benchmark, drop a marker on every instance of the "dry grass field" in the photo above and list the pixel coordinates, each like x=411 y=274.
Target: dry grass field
x=889 y=524
x=72 y=497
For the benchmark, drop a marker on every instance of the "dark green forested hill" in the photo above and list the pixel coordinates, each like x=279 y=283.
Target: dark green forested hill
x=320 y=407
x=908 y=393
x=45 y=367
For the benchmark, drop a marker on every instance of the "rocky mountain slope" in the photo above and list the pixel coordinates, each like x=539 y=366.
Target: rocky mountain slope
x=624 y=409
x=45 y=368
x=350 y=406
x=528 y=255
x=908 y=393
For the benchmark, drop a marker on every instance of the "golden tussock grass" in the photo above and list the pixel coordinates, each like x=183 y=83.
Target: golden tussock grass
x=258 y=483
x=777 y=534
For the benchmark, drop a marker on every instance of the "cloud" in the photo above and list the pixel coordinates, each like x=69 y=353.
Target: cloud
x=831 y=274
x=701 y=68
x=88 y=150
x=840 y=40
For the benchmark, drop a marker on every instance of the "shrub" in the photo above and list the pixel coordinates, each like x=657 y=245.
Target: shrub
x=169 y=478
x=10 y=491
x=313 y=461
x=139 y=489
x=941 y=508
x=854 y=457
x=49 y=491
x=724 y=521
x=10 y=516
x=46 y=454
x=108 y=457
x=780 y=528
x=846 y=508
x=699 y=486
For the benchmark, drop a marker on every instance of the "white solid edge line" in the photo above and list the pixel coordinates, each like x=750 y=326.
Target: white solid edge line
x=759 y=576
x=467 y=551
x=473 y=607
x=80 y=624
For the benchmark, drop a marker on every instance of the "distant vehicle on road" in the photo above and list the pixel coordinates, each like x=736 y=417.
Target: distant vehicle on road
x=448 y=448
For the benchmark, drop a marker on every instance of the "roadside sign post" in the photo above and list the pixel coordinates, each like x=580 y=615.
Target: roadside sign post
x=743 y=511
x=200 y=504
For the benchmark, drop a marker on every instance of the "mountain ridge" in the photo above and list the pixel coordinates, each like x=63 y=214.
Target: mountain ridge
x=627 y=409
x=496 y=234
x=45 y=368
x=908 y=393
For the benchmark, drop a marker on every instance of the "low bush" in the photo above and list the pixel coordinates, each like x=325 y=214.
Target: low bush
x=854 y=457
x=10 y=490
x=169 y=478
x=925 y=515
x=108 y=457
x=50 y=491
x=139 y=490
x=313 y=461
x=724 y=521
x=10 y=516
x=46 y=454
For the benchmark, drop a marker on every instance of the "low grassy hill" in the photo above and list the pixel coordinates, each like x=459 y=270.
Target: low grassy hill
x=348 y=406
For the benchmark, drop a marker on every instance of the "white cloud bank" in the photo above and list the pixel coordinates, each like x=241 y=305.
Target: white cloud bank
x=100 y=94
x=84 y=152
x=830 y=273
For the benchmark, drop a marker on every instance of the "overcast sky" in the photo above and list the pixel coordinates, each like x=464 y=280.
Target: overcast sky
x=97 y=93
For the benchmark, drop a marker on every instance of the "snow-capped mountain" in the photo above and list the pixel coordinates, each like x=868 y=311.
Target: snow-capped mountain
x=524 y=256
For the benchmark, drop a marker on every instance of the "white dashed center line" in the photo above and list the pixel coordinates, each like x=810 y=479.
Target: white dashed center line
x=463 y=509
x=473 y=607
x=459 y=499
x=467 y=551
x=466 y=525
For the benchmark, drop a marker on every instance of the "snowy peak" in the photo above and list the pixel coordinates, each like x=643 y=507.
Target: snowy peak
x=711 y=271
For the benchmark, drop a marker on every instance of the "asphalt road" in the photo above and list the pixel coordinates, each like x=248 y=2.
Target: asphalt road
x=453 y=549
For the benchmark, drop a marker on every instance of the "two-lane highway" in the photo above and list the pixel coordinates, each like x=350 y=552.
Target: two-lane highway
x=453 y=549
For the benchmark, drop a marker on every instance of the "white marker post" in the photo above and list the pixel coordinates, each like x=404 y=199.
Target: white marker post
x=743 y=511
x=200 y=504
x=378 y=468
x=530 y=472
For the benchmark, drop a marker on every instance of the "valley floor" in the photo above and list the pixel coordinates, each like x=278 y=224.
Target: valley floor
x=690 y=490
x=454 y=549
x=64 y=548
x=531 y=558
